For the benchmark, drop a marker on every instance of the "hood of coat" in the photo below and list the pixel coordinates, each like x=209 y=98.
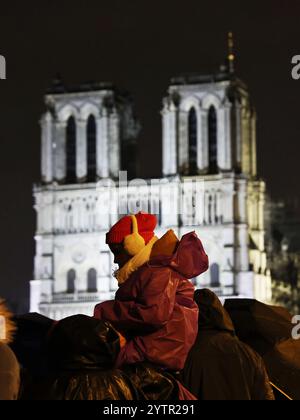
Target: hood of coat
x=212 y=314
x=187 y=257
x=82 y=342
x=29 y=344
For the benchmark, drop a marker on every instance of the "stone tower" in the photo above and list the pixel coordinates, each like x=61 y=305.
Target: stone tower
x=87 y=134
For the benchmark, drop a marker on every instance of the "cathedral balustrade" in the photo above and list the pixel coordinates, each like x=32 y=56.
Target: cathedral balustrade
x=205 y=209
x=76 y=297
x=82 y=212
x=77 y=215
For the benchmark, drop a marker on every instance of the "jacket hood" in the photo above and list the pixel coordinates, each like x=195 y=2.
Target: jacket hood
x=212 y=315
x=83 y=342
x=188 y=259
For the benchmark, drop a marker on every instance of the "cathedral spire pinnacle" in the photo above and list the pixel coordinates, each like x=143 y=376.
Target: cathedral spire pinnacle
x=230 y=53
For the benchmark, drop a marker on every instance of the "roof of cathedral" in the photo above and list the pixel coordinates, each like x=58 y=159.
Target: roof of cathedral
x=195 y=78
x=58 y=86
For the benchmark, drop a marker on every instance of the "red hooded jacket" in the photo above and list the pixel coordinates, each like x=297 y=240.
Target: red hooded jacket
x=154 y=307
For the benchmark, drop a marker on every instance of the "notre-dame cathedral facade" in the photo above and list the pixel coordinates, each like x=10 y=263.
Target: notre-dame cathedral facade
x=208 y=139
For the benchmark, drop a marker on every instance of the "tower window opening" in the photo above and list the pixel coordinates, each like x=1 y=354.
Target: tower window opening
x=212 y=140
x=215 y=275
x=71 y=276
x=192 y=136
x=71 y=151
x=92 y=281
x=91 y=149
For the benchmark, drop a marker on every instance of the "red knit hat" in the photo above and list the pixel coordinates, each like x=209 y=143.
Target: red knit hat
x=146 y=224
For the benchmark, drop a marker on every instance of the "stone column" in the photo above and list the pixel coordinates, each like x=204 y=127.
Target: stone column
x=60 y=151
x=246 y=141
x=224 y=137
x=206 y=207
x=241 y=202
x=169 y=126
x=213 y=207
x=219 y=205
x=183 y=142
x=47 y=148
x=76 y=214
x=261 y=206
x=165 y=141
x=102 y=145
x=228 y=194
x=48 y=204
x=81 y=150
x=242 y=247
x=253 y=144
x=203 y=140
x=114 y=145
x=238 y=140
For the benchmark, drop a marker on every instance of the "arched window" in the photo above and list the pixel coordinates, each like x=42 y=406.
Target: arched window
x=91 y=149
x=215 y=275
x=192 y=134
x=71 y=150
x=212 y=140
x=92 y=280
x=71 y=276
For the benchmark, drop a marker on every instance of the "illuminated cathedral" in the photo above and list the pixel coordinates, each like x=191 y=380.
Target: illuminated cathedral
x=208 y=139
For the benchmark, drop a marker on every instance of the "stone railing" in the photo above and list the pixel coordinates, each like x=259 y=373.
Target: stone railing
x=79 y=297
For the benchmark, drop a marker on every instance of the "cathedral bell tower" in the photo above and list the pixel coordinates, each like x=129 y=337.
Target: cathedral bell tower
x=209 y=124
x=209 y=134
x=88 y=133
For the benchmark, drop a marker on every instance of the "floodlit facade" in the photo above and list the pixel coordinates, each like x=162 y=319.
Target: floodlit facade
x=209 y=184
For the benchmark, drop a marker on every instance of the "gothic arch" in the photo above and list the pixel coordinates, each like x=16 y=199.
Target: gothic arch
x=190 y=138
x=214 y=275
x=71 y=138
x=71 y=277
x=89 y=109
x=210 y=100
x=92 y=280
x=190 y=102
x=66 y=112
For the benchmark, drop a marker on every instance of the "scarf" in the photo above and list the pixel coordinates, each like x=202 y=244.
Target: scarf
x=135 y=262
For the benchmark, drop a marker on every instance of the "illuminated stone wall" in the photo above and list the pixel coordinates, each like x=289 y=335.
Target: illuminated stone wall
x=226 y=211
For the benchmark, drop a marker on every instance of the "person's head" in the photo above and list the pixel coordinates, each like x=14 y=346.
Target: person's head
x=129 y=236
x=212 y=314
x=121 y=256
x=82 y=342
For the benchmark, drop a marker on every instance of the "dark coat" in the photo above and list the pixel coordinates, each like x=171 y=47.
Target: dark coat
x=81 y=356
x=154 y=308
x=82 y=353
x=153 y=383
x=219 y=366
x=268 y=330
x=29 y=342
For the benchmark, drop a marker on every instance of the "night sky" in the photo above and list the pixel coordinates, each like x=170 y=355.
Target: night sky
x=138 y=45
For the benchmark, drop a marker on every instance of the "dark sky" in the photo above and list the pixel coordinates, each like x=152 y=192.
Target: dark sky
x=139 y=45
